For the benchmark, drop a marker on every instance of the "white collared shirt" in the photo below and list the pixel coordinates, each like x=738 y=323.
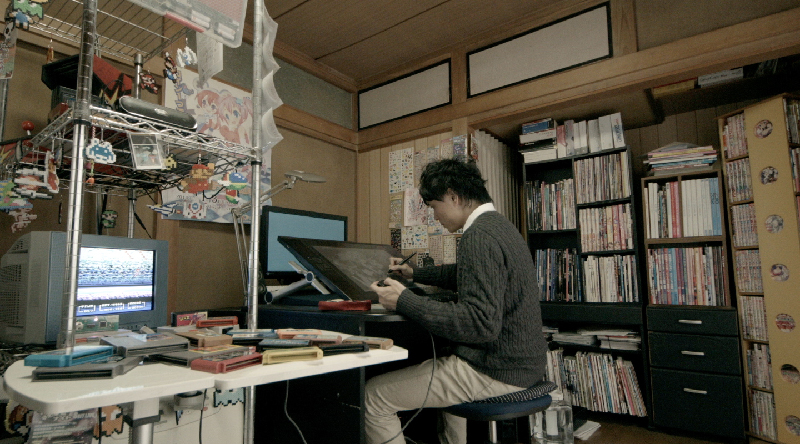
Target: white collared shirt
x=478 y=211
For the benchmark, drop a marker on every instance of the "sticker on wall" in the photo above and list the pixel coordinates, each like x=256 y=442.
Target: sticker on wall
x=790 y=374
x=424 y=259
x=769 y=175
x=779 y=272
x=784 y=322
x=396 y=212
x=109 y=218
x=774 y=223
x=763 y=129
x=395 y=238
x=793 y=424
x=228 y=397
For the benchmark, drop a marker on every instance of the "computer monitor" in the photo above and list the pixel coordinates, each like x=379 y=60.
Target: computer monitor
x=116 y=276
x=348 y=269
x=277 y=221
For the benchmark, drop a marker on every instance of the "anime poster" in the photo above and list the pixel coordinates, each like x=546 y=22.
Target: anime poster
x=222 y=111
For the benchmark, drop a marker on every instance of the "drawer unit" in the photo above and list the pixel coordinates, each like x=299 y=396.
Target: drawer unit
x=701 y=321
x=695 y=363
x=698 y=402
x=716 y=354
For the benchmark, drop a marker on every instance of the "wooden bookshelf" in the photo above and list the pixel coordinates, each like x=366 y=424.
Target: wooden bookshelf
x=764 y=134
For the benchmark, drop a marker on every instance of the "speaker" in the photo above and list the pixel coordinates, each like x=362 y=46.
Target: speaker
x=143 y=108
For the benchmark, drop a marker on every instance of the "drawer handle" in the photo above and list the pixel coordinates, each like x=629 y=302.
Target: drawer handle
x=692 y=353
x=699 y=392
x=690 y=321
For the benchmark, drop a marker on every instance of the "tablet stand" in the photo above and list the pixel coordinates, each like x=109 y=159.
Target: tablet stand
x=308 y=279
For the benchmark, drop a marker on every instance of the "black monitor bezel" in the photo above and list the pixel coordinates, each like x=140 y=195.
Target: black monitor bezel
x=263 y=252
x=337 y=281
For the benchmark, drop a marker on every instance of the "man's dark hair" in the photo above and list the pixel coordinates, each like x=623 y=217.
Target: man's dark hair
x=464 y=178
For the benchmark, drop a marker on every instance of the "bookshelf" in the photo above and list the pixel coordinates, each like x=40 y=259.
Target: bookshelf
x=760 y=151
x=581 y=229
x=692 y=326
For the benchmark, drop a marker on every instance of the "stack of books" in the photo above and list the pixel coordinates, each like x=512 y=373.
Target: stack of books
x=574 y=338
x=681 y=157
x=538 y=140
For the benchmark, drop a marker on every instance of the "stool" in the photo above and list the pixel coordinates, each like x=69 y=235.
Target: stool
x=513 y=405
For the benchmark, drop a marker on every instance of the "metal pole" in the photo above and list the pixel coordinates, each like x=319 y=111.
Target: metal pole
x=137 y=64
x=82 y=124
x=255 y=222
x=131 y=211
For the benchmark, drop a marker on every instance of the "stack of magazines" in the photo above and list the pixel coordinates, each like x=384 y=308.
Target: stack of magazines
x=681 y=157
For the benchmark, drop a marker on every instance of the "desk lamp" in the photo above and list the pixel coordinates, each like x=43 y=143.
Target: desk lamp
x=237 y=213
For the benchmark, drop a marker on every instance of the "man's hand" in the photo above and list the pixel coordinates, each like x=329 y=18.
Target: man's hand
x=405 y=270
x=388 y=292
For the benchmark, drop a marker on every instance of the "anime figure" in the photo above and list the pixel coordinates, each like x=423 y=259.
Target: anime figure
x=170 y=70
x=233 y=114
x=207 y=106
x=148 y=83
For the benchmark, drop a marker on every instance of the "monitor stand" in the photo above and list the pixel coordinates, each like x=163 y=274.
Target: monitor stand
x=294 y=291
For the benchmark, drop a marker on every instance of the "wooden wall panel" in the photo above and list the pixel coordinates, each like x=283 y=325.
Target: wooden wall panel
x=686 y=127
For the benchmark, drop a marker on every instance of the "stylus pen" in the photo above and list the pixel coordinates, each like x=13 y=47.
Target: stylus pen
x=404 y=261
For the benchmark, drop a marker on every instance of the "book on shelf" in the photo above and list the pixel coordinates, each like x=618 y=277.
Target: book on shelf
x=719 y=77
x=617 y=130
x=754 y=318
x=686 y=276
x=538 y=125
x=548 y=134
x=532 y=155
x=606 y=132
x=561 y=141
x=674 y=88
x=569 y=133
x=593 y=131
x=618 y=345
x=581 y=138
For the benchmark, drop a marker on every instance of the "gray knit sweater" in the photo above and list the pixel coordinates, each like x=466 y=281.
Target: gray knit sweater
x=496 y=322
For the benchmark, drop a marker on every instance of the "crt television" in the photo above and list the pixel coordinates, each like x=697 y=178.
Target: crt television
x=116 y=276
x=277 y=221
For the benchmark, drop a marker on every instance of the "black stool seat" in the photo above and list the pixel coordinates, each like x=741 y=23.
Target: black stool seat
x=513 y=405
x=499 y=411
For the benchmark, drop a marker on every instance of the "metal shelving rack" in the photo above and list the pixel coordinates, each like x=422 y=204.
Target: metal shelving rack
x=129 y=31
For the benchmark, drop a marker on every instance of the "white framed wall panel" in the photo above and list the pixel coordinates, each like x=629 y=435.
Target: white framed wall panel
x=419 y=91
x=575 y=40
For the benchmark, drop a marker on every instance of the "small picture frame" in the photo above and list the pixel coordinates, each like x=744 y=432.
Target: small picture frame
x=146 y=151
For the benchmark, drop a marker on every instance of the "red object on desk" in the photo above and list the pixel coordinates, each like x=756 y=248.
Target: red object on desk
x=345 y=305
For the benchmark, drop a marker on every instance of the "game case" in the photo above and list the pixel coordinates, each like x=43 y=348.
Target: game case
x=289 y=333
x=81 y=354
x=291 y=354
x=205 y=337
x=109 y=367
x=321 y=339
x=266 y=344
x=187 y=317
x=213 y=321
x=137 y=344
x=186 y=357
x=252 y=337
x=372 y=341
x=338 y=349
x=227 y=362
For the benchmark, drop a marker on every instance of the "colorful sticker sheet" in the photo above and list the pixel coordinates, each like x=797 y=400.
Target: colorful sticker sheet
x=415 y=212
x=401 y=170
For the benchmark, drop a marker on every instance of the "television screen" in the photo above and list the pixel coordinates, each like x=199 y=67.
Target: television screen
x=277 y=221
x=113 y=281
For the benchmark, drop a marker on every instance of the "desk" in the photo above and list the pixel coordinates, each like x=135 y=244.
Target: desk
x=333 y=411
x=141 y=386
x=145 y=384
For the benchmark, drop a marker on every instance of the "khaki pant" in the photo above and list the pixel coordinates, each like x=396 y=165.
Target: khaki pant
x=454 y=382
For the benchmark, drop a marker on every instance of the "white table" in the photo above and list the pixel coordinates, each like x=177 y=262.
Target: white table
x=145 y=384
x=141 y=386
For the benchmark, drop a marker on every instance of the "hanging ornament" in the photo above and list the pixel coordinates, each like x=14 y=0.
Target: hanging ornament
x=90 y=166
x=170 y=69
x=109 y=218
x=148 y=83
x=50 y=53
x=100 y=151
x=22 y=218
x=186 y=56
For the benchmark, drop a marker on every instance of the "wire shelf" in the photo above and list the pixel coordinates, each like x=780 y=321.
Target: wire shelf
x=185 y=147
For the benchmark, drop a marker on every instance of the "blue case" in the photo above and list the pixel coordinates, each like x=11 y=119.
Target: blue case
x=81 y=354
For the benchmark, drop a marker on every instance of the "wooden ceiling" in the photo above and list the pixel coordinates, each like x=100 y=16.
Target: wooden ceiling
x=364 y=38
